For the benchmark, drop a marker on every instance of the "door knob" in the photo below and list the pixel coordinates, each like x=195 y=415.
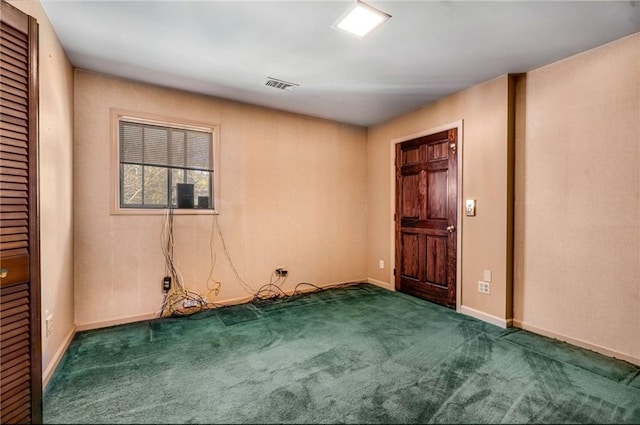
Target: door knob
x=3 y=273
x=450 y=229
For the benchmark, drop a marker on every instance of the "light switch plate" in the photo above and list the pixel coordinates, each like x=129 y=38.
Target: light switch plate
x=470 y=207
x=48 y=324
x=487 y=276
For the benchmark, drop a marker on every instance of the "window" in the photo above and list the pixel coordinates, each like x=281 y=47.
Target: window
x=164 y=165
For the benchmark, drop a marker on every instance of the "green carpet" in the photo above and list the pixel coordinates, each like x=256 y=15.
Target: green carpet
x=350 y=355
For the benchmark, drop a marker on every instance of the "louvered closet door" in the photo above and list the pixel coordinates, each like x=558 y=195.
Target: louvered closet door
x=20 y=351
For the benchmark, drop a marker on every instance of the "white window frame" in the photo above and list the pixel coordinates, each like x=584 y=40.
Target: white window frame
x=116 y=116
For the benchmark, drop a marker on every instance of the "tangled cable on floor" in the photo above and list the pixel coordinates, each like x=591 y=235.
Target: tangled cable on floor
x=180 y=301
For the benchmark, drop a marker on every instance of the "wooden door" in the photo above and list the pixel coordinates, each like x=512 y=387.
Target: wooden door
x=426 y=217
x=20 y=350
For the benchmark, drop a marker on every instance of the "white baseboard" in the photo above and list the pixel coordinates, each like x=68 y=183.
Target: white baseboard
x=55 y=361
x=231 y=301
x=494 y=320
x=577 y=342
x=234 y=301
x=305 y=288
x=119 y=321
x=380 y=283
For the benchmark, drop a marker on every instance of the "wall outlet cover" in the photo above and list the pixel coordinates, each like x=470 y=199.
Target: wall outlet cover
x=484 y=287
x=470 y=207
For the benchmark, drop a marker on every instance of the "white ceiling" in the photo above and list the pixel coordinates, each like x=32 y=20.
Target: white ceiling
x=427 y=50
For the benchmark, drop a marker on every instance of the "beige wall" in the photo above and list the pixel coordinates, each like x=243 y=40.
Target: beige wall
x=577 y=236
x=292 y=193
x=577 y=257
x=56 y=183
x=485 y=168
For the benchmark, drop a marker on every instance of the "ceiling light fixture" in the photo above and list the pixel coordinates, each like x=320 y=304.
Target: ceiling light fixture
x=361 y=19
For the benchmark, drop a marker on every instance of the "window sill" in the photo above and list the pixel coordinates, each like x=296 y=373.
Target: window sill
x=163 y=211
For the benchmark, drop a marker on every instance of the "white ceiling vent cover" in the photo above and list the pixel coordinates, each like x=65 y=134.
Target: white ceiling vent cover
x=279 y=84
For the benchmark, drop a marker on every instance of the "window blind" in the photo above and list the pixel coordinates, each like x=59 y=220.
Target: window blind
x=148 y=144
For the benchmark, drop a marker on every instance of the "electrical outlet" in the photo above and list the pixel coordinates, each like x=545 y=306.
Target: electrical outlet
x=189 y=303
x=282 y=271
x=166 y=283
x=484 y=287
x=381 y=264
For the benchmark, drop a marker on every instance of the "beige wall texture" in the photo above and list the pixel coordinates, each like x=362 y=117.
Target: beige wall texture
x=315 y=196
x=56 y=184
x=292 y=193
x=485 y=169
x=577 y=256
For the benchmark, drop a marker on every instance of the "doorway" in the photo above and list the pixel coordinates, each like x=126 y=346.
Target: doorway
x=426 y=216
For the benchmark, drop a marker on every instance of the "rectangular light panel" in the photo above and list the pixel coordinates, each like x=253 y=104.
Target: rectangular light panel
x=361 y=19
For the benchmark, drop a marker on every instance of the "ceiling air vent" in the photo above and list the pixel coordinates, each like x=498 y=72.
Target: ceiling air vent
x=279 y=84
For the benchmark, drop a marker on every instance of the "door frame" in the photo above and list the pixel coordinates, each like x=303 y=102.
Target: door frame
x=392 y=200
